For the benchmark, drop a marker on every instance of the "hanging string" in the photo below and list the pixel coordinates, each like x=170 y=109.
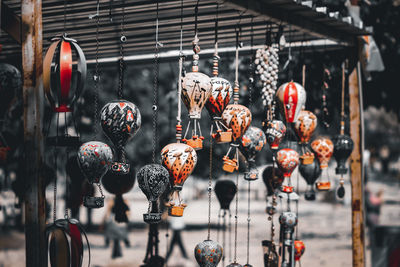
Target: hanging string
x=248 y=221
x=178 y=117
x=65 y=18
x=297 y=205
x=210 y=189
x=195 y=43
x=155 y=89
x=236 y=219
x=96 y=78
x=55 y=186
x=216 y=57
x=121 y=52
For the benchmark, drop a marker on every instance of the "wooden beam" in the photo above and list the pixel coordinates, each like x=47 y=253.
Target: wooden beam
x=356 y=167
x=10 y=22
x=31 y=17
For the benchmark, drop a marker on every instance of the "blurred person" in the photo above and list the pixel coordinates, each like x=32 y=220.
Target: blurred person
x=384 y=154
x=177 y=225
x=114 y=231
x=373 y=203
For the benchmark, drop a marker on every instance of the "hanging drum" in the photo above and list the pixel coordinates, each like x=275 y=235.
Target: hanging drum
x=62 y=83
x=252 y=143
x=179 y=159
x=305 y=126
x=287 y=160
x=237 y=118
x=120 y=120
x=323 y=148
x=119 y=183
x=292 y=98
x=153 y=180
x=221 y=93
x=94 y=160
x=310 y=173
x=275 y=131
x=10 y=83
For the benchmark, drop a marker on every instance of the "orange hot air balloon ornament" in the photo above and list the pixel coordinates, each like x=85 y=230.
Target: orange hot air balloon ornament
x=287 y=160
x=323 y=148
x=304 y=127
x=196 y=89
x=292 y=98
x=221 y=93
x=179 y=159
x=237 y=118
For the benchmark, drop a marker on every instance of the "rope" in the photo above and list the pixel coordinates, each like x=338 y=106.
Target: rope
x=178 y=117
x=65 y=17
x=342 y=124
x=96 y=79
x=248 y=221
x=236 y=87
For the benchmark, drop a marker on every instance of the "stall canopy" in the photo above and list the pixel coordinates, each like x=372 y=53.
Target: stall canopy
x=298 y=22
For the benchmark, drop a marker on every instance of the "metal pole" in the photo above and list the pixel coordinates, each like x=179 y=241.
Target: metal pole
x=356 y=166
x=31 y=18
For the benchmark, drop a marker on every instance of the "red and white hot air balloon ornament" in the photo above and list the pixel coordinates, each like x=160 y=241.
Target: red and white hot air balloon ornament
x=292 y=98
x=196 y=89
x=221 y=93
x=304 y=127
x=63 y=82
x=287 y=160
x=323 y=148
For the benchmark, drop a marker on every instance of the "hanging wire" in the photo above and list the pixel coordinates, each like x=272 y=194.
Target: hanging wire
x=155 y=89
x=65 y=18
x=236 y=87
x=181 y=56
x=236 y=219
x=342 y=114
x=121 y=52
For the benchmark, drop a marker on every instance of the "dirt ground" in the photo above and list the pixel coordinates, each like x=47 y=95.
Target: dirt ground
x=324 y=227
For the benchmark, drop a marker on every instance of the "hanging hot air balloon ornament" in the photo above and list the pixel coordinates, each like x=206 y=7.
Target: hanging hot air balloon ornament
x=252 y=142
x=275 y=131
x=237 y=118
x=342 y=144
x=304 y=127
x=299 y=249
x=323 y=148
x=287 y=160
x=120 y=120
x=310 y=173
x=221 y=93
x=179 y=159
x=153 y=180
x=95 y=159
x=196 y=90
x=62 y=83
x=292 y=98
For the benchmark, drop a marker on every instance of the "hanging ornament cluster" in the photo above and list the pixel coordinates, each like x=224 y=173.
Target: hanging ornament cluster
x=267 y=65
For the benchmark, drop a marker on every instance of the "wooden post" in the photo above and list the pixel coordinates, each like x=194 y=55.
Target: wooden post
x=31 y=21
x=356 y=167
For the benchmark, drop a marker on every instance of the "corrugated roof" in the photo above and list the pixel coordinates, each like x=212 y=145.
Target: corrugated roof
x=299 y=23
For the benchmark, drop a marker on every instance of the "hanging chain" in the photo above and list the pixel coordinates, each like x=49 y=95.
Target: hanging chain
x=55 y=186
x=195 y=43
x=210 y=189
x=216 y=57
x=325 y=87
x=101 y=191
x=155 y=92
x=236 y=87
x=121 y=52
x=248 y=220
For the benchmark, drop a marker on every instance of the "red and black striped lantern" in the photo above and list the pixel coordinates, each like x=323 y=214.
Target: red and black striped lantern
x=62 y=83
